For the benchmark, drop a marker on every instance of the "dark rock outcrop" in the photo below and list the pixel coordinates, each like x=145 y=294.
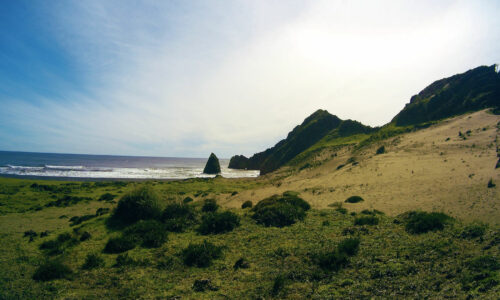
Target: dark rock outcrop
x=238 y=162
x=212 y=166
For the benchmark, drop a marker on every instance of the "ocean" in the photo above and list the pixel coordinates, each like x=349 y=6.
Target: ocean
x=53 y=165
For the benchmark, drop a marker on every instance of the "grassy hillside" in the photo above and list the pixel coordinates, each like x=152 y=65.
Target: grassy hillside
x=327 y=253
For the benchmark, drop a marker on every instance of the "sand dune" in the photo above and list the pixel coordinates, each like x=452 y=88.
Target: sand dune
x=431 y=169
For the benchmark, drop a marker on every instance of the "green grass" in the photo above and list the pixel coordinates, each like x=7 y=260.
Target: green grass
x=254 y=261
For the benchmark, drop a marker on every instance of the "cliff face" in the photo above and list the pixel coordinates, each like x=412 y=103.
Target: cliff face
x=473 y=90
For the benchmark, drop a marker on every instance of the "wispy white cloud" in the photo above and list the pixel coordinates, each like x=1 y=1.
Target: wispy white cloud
x=177 y=79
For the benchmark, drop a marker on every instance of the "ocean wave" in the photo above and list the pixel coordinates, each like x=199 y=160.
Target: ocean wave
x=125 y=173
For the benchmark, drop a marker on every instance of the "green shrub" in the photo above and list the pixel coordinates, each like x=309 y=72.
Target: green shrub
x=473 y=231
x=210 y=205
x=422 y=222
x=187 y=200
x=278 y=284
x=93 y=261
x=491 y=184
x=107 y=197
x=178 y=217
x=354 y=199
x=140 y=204
x=215 y=223
x=85 y=236
x=149 y=233
x=51 y=270
x=278 y=215
x=119 y=245
x=366 y=220
x=481 y=273
x=59 y=244
x=241 y=263
x=200 y=255
x=123 y=260
x=334 y=260
x=341 y=210
x=349 y=246
x=380 y=150
x=247 y=204
x=280 y=211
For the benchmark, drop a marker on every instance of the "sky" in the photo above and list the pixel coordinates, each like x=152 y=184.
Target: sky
x=187 y=78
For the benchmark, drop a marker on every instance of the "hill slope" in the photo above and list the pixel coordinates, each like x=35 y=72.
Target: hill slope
x=473 y=90
x=313 y=129
x=430 y=169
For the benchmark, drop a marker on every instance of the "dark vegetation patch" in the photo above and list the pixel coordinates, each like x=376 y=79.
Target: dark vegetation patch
x=491 y=184
x=200 y=255
x=67 y=200
x=85 y=236
x=107 y=197
x=247 y=204
x=216 y=223
x=278 y=285
x=380 y=150
x=418 y=222
x=481 y=274
x=149 y=233
x=76 y=220
x=202 y=285
x=101 y=211
x=337 y=258
x=354 y=199
x=93 y=261
x=473 y=231
x=60 y=244
x=119 y=245
x=140 y=204
x=125 y=260
x=280 y=211
x=241 y=263
x=187 y=200
x=178 y=217
x=209 y=205
x=366 y=220
x=52 y=269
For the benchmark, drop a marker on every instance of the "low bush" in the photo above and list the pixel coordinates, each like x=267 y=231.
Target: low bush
x=491 y=184
x=123 y=260
x=178 y=217
x=278 y=284
x=101 y=211
x=210 y=205
x=200 y=255
x=354 y=199
x=280 y=211
x=349 y=246
x=380 y=150
x=481 y=273
x=334 y=260
x=78 y=220
x=241 y=263
x=216 y=223
x=107 y=197
x=187 y=200
x=473 y=231
x=119 y=245
x=421 y=222
x=93 y=261
x=85 y=236
x=51 y=270
x=140 y=204
x=59 y=244
x=366 y=220
x=247 y=204
x=149 y=233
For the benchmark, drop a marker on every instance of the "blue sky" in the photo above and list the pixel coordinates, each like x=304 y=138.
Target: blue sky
x=186 y=78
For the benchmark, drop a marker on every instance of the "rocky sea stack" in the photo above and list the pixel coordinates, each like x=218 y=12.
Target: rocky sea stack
x=212 y=166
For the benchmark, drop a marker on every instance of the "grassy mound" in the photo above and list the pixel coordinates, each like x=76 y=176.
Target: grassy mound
x=93 y=261
x=337 y=258
x=247 y=204
x=140 y=204
x=216 y=223
x=119 y=245
x=366 y=220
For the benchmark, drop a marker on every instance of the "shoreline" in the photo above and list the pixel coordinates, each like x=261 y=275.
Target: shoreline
x=93 y=179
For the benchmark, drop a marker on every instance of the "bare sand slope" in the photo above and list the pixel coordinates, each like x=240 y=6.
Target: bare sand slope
x=431 y=169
